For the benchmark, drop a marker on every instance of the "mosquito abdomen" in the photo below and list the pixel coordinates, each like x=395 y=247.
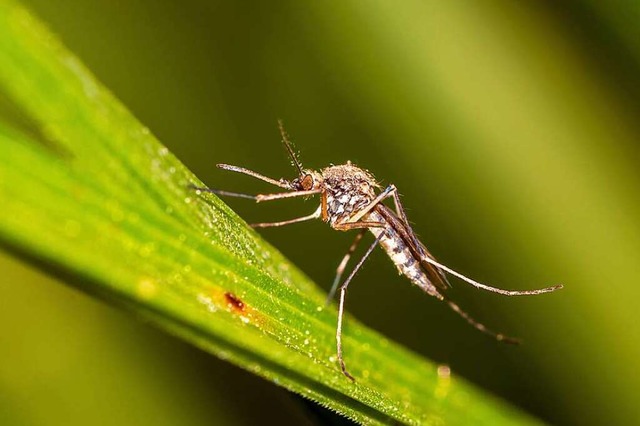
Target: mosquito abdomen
x=401 y=255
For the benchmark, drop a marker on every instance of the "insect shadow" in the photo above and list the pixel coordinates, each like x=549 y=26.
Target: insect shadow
x=349 y=201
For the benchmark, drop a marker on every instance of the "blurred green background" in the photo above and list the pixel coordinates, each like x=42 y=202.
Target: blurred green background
x=510 y=128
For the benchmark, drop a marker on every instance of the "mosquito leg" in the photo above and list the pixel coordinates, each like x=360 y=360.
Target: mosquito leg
x=425 y=257
x=347 y=226
x=489 y=288
x=343 y=293
x=384 y=194
x=342 y=266
x=258 y=198
x=222 y=192
x=481 y=327
x=281 y=195
x=314 y=215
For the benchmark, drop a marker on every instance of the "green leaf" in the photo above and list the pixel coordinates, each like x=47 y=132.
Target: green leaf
x=88 y=193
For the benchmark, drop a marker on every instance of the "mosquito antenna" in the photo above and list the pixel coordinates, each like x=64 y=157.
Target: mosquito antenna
x=481 y=327
x=289 y=147
x=282 y=183
x=489 y=288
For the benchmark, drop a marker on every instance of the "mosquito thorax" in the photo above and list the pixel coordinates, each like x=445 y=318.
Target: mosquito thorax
x=348 y=188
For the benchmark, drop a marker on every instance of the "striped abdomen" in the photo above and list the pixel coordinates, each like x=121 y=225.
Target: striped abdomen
x=401 y=254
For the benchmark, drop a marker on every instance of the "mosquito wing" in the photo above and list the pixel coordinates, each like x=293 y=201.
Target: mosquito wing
x=431 y=270
x=435 y=275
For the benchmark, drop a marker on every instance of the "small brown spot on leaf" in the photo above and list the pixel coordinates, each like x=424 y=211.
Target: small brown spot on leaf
x=234 y=302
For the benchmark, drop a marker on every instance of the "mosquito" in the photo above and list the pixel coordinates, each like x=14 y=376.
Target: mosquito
x=352 y=199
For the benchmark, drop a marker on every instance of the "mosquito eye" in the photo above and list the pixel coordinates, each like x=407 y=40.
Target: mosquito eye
x=307 y=182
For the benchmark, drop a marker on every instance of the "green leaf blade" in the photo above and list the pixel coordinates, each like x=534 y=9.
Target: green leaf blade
x=110 y=208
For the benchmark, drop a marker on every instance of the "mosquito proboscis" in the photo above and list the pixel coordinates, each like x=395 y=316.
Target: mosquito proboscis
x=349 y=200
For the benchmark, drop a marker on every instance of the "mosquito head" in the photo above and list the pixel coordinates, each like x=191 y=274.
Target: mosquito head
x=308 y=180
